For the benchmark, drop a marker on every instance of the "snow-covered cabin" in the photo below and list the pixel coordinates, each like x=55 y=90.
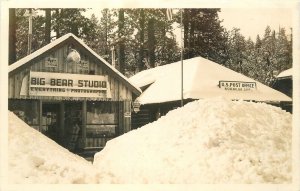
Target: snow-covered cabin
x=284 y=84
x=68 y=92
x=202 y=78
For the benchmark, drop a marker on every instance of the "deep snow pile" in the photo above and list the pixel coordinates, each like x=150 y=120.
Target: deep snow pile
x=34 y=158
x=206 y=141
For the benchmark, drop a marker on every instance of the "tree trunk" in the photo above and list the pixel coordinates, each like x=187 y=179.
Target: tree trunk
x=48 y=26
x=121 y=47
x=151 y=42
x=57 y=23
x=141 y=51
x=12 y=36
x=191 y=45
x=163 y=51
x=106 y=34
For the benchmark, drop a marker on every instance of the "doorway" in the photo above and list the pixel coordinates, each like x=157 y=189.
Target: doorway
x=50 y=120
x=73 y=124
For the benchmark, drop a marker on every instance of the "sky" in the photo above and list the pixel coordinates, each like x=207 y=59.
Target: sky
x=254 y=21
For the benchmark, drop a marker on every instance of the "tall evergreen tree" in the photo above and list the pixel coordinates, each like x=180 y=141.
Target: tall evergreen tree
x=151 y=42
x=203 y=34
x=48 y=26
x=121 y=45
x=12 y=36
x=237 y=48
x=106 y=34
x=22 y=26
x=70 y=21
x=141 y=40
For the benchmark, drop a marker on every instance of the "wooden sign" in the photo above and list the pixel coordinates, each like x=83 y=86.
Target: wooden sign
x=68 y=85
x=127 y=114
x=237 y=85
x=51 y=62
x=83 y=65
x=136 y=106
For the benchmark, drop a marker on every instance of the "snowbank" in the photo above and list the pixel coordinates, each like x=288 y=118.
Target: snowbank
x=34 y=158
x=206 y=141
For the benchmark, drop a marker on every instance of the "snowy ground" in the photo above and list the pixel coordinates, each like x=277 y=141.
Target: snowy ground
x=34 y=158
x=206 y=141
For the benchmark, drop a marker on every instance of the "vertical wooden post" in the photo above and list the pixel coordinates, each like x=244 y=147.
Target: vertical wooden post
x=127 y=118
x=40 y=105
x=121 y=118
x=181 y=56
x=83 y=131
x=62 y=135
x=29 y=32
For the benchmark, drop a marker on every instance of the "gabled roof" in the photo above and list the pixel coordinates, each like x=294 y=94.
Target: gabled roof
x=26 y=60
x=200 y=80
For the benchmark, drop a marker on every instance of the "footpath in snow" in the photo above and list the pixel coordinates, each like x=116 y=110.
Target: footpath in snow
x=206 y=141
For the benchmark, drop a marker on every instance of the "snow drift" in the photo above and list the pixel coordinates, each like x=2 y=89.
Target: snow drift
x=34 y=158
x=206 y=141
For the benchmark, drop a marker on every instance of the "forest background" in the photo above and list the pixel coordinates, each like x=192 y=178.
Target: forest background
x=144 y=38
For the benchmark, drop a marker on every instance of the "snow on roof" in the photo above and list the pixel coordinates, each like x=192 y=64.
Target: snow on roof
x=147 y=77
x=200 y=80
x=209 y=141
x=286 y=73
x=40 y=51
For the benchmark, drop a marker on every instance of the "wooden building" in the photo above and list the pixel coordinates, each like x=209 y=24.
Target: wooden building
x=72 y=95
x=202 y=79
x=284 y=84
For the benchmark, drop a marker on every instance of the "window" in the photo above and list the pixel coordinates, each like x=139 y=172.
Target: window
x=102 y=118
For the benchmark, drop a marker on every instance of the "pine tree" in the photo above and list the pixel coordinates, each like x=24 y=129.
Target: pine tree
x=203 y=34
x=141 y=56
x=237 y=50
x=70 y=21
x=12 y=36
x=121 y=45
x=48 y=26
x=22 y=26
x=106 y=28
x=151 y=41
x=283 y=52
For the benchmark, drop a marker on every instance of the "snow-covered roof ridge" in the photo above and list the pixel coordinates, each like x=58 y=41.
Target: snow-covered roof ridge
x=42 y=50
x=286 y=73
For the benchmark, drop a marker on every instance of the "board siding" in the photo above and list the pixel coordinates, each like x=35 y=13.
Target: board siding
x=118 y=89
